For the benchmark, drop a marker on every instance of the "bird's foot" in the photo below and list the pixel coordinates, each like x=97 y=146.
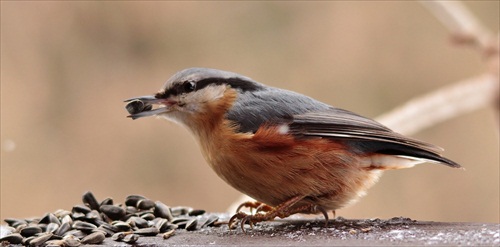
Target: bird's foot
x=265 y=212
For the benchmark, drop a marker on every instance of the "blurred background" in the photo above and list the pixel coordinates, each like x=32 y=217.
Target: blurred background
x=66 y=68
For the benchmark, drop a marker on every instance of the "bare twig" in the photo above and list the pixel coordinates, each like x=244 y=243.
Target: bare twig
x=443 y=104
x=462 y=24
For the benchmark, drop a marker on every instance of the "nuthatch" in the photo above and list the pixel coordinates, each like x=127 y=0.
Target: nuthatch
x=290 y=152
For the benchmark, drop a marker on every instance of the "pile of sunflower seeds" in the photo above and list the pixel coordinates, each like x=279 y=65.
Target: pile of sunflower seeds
x=92 y=222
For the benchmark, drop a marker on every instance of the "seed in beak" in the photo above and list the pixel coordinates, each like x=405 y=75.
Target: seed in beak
x=137 y=106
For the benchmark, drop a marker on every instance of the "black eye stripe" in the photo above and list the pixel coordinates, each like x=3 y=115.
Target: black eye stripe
x=190 y=86
x=234 y=82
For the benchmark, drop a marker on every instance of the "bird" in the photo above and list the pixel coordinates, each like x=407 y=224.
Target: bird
x=290 y=152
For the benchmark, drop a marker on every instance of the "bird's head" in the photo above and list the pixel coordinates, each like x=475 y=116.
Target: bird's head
x=194 y=94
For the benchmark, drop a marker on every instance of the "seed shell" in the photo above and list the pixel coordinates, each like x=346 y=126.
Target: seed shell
x=94 y=238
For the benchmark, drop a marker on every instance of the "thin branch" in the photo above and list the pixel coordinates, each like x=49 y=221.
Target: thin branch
x=463 y=25
x=443 y=104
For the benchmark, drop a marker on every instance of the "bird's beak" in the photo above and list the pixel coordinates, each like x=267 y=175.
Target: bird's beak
x=143 y=106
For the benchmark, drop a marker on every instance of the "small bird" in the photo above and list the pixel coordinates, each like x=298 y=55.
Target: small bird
x=290 y=152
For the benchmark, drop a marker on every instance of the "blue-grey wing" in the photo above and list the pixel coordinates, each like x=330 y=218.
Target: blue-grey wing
x=309 y=118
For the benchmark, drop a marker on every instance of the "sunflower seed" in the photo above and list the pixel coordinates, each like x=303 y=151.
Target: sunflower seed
x=113 y=212
x=30 y=231
x=196 y=212
x=50 y=218
x=81 y=209
x=52 y=227
x=67 y=219
x=150 y=231
x=121 y=226
x=132 y=200
x=210 y=221
x=89 y=199
x=178 y=211
x=74 y=233
x=135 y=106
x=138 y=221
x=15 y=222
x=94 y=238
x=13 y=238
x=107 y=201
x=63 y=229
x=84 y=226
x=40 y=239
x=145 y=204
x=148 y=216
x=191 y=225
x=163 y=211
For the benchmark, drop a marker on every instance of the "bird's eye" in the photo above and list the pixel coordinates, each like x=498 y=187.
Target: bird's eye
x=189 y=86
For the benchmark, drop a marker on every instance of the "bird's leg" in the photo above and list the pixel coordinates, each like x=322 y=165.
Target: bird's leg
x=258 y=206
x=311 y=209
x=283 y=210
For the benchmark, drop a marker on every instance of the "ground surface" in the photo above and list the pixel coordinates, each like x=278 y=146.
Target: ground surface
x=339 y=232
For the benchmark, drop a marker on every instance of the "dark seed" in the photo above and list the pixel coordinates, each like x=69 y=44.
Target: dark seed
x=180 y=220
x=50 y=218
x=40 y=239
x=178 y=211
x=132 y=200
x=89 y=199
x=63 y=229
x=93 y=215
x=30 y=231
x=113 y=212
x=131 y=210
x=78 y=216
x=148 y=108
x=107 y=201
x=210 y=221
x=15 y=222
x=150 y=231
x=131 y=238
x=121 y=226
x=138 y=221
x=135 y=107
x=14 y=238
x=94 y=238
x=196 y=212
x=81 y=209
x=145 y=204
x=148 y=216
x=26 y=241
x=163 y=211
x=109 y=227
x=84 y=226
x=106 y=231
x=191 y=225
